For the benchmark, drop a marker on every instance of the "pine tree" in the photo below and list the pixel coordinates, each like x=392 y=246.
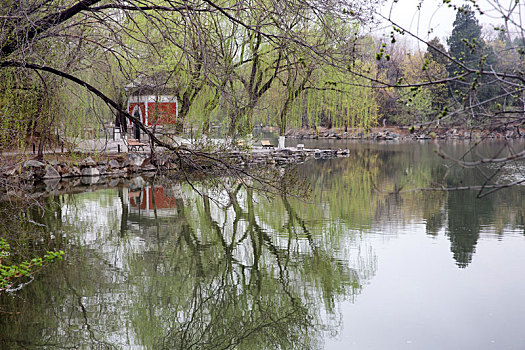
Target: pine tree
x=467 y=47
x=465 y=42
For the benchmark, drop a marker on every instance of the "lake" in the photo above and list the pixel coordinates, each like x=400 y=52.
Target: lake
x=363 y=263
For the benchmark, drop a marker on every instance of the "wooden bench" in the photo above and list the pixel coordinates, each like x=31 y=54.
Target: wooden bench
x=266 y=144
x=135 y=145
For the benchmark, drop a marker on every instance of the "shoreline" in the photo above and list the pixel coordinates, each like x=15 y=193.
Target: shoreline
x=402 y=133
x=21 y=174
x=28 y=174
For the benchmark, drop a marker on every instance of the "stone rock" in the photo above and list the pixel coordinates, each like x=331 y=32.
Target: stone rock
x=149 y=167
x=146 y=163
x=286 y=151
x=102 y=169
x=88 y=162
x=114 y=182
x=116 y=172
x=51 y=184
x=70 y=172
x=137 y=182
x=90 y=180
x=51 y=173
x=31 y=163
x=90 y=172
x=76 y=181
x=114 y=164
x=136 y=159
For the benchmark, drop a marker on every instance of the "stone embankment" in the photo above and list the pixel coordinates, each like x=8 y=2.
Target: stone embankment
x=91 y=172
x=405 y=133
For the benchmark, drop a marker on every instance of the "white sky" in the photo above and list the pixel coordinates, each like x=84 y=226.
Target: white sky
x=438 y=18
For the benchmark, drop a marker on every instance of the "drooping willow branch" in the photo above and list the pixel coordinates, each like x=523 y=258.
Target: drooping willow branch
x=183 y=153
x=93 y=90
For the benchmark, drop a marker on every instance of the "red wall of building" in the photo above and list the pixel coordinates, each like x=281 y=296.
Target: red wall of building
x=146 y=199
x=166 y=112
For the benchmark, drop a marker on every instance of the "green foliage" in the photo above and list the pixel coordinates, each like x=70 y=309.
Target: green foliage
x=320 y=96
x=421 y=103
x=435 y=51
x=12 y=275
x=21 y=103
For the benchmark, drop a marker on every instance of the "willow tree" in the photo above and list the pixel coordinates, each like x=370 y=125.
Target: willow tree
x=272 y=69
x=63 y=38
x=422 y=104
x=22 y=107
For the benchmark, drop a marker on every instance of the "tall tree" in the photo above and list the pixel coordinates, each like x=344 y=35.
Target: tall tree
x=465 y=45
x=436 y=51
x=468 y=50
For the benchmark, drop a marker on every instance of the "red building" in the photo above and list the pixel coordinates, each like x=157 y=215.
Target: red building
x=152 y=106
x=150 y=198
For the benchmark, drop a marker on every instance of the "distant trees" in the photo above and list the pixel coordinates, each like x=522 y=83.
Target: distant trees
x=420 y=104
x=465 y=46
x=484 y=73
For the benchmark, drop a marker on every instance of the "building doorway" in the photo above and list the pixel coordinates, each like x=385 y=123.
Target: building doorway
x=136 y=129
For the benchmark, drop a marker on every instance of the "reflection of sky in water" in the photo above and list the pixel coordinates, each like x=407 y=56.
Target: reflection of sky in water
x=420 y=299
x=98 y=216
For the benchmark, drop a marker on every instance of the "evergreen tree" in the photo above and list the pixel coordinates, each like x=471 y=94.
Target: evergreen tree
x=467 y=47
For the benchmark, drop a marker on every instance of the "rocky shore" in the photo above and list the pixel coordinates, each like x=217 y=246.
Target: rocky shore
x=405 y=133
x=54 y=175
x=81 y=169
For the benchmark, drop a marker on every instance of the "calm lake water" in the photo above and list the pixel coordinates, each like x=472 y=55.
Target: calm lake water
x=362 y=264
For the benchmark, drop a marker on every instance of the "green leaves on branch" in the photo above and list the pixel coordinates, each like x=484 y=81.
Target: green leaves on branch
x=11 y=275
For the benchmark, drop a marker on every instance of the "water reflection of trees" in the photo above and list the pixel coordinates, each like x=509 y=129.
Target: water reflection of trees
x=251 y=288
x=200 y=276
x=30 y=228
x=366 y=191
x=249 y=274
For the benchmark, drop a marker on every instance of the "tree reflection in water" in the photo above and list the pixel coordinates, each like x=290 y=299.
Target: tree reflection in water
x=366 y=192
x=188 y=274
x=158 y=266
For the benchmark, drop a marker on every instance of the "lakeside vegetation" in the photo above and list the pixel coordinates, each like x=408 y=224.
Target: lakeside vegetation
x=290 y=65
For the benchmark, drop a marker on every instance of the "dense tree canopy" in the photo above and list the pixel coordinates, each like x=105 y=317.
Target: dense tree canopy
x=220 y=57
